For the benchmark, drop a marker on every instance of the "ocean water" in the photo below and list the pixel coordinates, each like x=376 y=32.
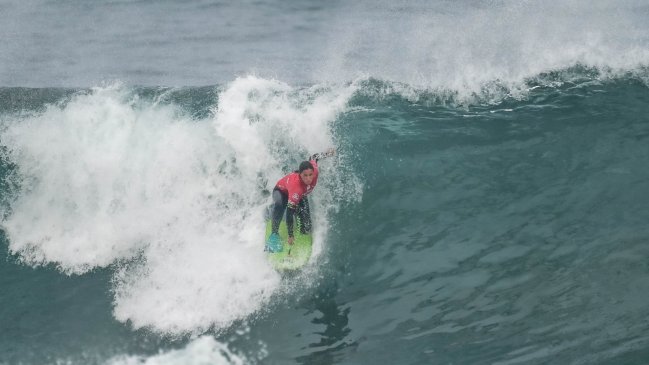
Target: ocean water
x=488 y=203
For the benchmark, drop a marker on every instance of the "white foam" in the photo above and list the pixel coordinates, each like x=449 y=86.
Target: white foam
x=481 y=48
x=174 y=203
x=202 y=351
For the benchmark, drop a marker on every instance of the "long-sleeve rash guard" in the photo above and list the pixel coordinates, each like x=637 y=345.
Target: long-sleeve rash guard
x=293 y=186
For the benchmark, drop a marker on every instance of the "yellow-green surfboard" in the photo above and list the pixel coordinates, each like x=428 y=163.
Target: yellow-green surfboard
x=291 y=257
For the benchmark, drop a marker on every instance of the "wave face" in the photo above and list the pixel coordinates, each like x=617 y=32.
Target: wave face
x=515 y=228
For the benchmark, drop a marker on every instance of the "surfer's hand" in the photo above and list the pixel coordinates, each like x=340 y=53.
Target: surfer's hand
x=330 y=152
x=290 y=240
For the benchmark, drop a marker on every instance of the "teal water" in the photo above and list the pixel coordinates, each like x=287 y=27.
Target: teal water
x=487 y=203
x=504 y=233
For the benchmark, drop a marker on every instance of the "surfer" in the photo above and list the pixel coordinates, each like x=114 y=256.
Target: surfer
x=290 y=195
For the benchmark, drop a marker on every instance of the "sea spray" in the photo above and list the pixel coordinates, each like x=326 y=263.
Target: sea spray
x=174 y=204
x=481 y=50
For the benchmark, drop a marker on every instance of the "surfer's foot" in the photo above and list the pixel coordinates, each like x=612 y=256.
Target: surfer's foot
x=274 y=243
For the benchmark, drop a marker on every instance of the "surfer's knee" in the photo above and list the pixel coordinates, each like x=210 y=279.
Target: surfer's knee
x=278 y=198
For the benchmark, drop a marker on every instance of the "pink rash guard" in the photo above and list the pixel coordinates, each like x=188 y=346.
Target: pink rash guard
x=293 y=186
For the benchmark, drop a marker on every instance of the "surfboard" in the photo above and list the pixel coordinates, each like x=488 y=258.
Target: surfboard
x=291 y=257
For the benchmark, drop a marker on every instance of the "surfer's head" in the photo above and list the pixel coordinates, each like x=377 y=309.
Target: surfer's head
x=306 y=172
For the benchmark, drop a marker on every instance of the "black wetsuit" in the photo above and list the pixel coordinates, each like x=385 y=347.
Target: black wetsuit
x=281 y=201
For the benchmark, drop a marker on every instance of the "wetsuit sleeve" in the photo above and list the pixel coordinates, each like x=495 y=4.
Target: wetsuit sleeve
x=290 y=212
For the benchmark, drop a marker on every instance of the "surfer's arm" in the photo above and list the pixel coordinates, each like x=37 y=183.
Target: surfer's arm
x=290 y=212
x=318 y=156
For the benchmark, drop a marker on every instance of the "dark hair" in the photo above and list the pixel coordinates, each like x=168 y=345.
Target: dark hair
x=304 y=165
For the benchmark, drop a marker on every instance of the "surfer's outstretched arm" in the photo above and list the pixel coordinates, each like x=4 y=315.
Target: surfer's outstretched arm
x=318 y=156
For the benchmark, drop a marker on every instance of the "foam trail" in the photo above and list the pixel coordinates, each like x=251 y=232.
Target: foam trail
x=204 y=350
x=176 y=204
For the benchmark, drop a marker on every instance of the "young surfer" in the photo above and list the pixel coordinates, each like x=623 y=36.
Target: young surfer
x=290 y=195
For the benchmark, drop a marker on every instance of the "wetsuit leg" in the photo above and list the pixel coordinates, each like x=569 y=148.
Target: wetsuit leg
x=279 y=206
x=305 y=216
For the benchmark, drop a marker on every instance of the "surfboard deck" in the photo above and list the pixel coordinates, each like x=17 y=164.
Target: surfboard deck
x=292 y=257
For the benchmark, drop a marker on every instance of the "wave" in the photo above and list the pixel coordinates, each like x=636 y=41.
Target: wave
x=197 y=102
x=172 y=203
x=165 y=186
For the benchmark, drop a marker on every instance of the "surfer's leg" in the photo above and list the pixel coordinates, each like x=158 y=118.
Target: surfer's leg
x=305 y=216
x=279 y=206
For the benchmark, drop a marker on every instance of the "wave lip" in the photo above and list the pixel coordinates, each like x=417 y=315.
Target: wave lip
x=373 y=91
